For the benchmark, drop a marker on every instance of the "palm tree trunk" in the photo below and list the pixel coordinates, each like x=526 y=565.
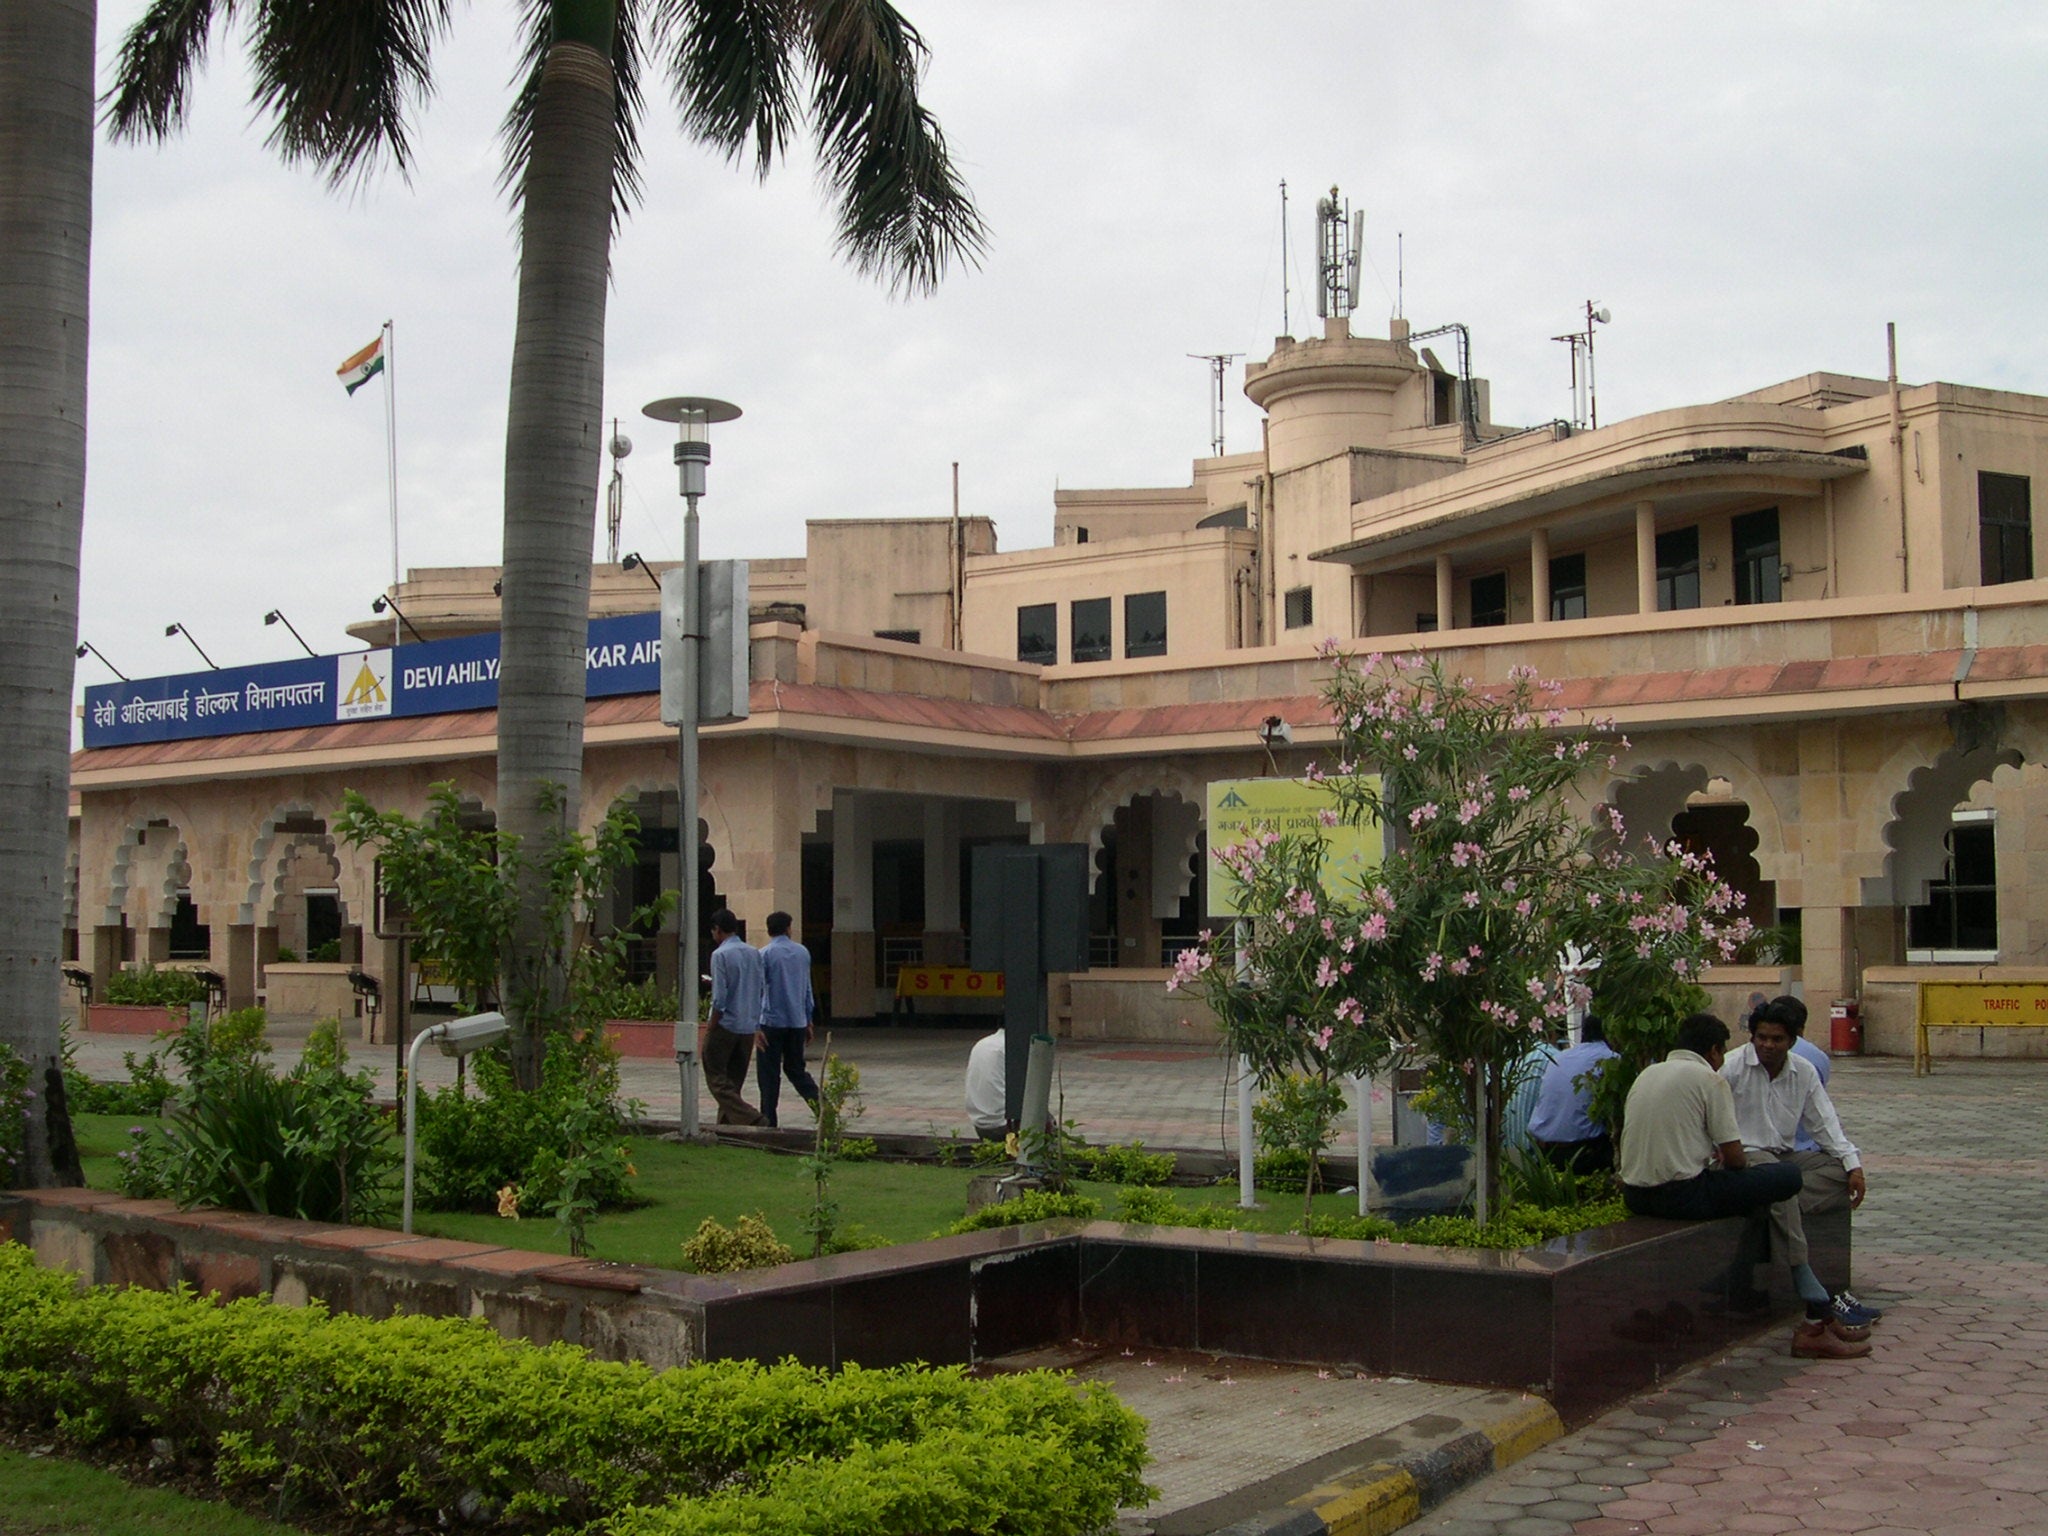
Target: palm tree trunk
x=553 y=437
x=46 y=119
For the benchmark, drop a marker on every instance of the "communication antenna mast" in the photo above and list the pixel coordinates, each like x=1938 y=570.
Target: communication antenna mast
x=1339 y=233
x=1219 y=364
x=1585 y=398
x=1286 y=315
x=615 y=493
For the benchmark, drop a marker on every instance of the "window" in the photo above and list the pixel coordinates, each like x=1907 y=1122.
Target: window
x=1568 y=587
x=1759 y=571
x=2005 y=528
x=907 y=636
x=1678 y=569
x=1080 y=534
x=1145 y=624
x=1038 y=638
x=1090 y=616
x=1425 y=623
x=1301 y=607
x=1489 y=600
x=1961 y=914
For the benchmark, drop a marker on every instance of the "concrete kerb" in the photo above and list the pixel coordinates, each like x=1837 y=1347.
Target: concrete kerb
x=1382 y=1496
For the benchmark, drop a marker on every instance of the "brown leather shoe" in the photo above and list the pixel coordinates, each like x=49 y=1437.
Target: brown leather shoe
x=1819 y=1341
x=1854 y=1333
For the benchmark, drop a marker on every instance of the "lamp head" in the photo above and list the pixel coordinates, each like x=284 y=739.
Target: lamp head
x=272 y=617
x=81 y=649
x=459 y=1037
x=1274 y=732
x=379 y=604
x=630 y=563
x=173 y=629
x=694 y=416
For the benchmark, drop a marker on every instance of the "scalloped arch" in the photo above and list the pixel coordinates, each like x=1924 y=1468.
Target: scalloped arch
x=1699 y=760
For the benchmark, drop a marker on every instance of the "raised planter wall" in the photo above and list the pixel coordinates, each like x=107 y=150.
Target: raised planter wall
x=643 y=1039
x=1585 y=1321
x=308 y=989
x=132 y=1018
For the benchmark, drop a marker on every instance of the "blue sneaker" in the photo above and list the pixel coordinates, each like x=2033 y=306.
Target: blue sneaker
x=1851 y=1313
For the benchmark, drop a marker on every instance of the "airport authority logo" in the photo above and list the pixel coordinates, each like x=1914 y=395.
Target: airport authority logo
x=362 y=686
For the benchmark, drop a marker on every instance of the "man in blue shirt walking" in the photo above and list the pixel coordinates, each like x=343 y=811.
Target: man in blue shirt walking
x=786 y=1014
x=735 y=1018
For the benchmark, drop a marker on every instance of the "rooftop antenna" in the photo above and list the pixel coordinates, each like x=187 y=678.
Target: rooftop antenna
x=615 y=493
x=1286 y=315
x=1339 y=233
x=1400 y=279
x=1219 y=364
x=1585 y=398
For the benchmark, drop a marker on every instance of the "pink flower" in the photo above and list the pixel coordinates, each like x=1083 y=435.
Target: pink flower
x=1374 y=927
x=1326 y=976
x=1523 y=908
x=1471 y=899
x=1460 y=967
x=1410 y=753
x=1518 y=793
x=1323 y=1037
x=1351 y=1011
x=1468 y=811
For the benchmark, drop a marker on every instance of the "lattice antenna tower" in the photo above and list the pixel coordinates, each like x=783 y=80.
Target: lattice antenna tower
x=1339 y=235
x=1219 y=365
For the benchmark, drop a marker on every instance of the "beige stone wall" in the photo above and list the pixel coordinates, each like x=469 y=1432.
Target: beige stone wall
x=1196 y=571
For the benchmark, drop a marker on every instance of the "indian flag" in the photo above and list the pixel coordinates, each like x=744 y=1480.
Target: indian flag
x=363 y=367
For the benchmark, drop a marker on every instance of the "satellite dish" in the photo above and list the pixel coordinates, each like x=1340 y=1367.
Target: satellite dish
x=621 y=445
x=1602 y=316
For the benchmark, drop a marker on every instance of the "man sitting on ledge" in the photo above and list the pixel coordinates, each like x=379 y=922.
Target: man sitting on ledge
x=1682 y=1158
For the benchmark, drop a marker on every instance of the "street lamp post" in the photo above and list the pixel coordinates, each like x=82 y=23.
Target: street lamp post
x=694 y=415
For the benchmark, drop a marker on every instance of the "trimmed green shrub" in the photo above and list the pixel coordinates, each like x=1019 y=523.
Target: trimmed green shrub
x=1032 y=1205
x=1519 y=1226
x=1155 y=1207
x=147 y=986
x=438 y=1420
x=1120 y=1164
x=750 y=1244
x=472 y=1146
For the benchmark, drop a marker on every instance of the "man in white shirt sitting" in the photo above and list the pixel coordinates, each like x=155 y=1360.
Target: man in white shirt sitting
x=1776 y=1090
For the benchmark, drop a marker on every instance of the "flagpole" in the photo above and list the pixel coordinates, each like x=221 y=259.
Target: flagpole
x=391 y=458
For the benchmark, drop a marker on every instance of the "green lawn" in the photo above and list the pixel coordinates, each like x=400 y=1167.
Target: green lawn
x=885 y=1202
x=47 y=1494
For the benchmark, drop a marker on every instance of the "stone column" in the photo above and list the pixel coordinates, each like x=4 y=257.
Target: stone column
x=944 y=944
x=1446 y=609
x=1539 y=576
x=108 y=941
x=238 y=963
x=1646 y=557
x=853 y=907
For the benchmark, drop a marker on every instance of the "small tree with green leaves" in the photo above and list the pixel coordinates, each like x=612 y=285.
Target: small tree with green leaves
x=460 y=883
x=1454 y=944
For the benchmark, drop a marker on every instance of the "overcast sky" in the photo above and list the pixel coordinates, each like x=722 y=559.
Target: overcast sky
x=1753 y=190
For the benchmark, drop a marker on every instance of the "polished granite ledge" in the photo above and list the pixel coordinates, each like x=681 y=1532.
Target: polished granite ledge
x=1584 y=1321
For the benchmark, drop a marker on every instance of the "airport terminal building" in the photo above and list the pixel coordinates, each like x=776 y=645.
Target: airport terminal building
x=1814 y=609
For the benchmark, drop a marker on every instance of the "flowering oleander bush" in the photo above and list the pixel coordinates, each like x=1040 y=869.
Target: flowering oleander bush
x=1454 y=945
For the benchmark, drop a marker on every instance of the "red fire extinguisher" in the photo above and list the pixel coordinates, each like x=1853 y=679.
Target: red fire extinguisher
x=1845 y=1027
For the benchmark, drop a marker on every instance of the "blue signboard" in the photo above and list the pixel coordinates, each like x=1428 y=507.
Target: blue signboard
x=436 y=677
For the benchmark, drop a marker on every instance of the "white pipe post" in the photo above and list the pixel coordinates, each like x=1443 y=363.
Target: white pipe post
x=1245 y=1196
x=1362 y=1085
x=1482 y=1207
x=1247 y=1199
x=412 y=1083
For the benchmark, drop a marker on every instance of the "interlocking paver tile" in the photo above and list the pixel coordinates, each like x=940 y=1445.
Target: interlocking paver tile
x=1941 y=1431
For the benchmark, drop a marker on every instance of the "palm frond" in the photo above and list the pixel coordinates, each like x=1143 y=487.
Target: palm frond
x=904 y=213
x=154 y=68
x=340 y=79
x=733 y=67
x=627 y=102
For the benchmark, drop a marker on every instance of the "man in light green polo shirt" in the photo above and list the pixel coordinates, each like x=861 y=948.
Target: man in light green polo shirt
x=1682 y=1157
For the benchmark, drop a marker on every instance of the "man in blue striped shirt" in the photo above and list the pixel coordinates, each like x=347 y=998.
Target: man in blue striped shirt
x=786 y=1013
x=736 y=987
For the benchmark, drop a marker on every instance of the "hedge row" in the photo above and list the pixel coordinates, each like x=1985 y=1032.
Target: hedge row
x=441 y=1418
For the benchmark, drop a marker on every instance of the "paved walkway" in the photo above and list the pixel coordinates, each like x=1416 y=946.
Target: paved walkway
x=1943 y=1429
x=913 y=1080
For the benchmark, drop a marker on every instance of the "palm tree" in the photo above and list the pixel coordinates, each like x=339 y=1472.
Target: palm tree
x=46 y=107
x=338 y=81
